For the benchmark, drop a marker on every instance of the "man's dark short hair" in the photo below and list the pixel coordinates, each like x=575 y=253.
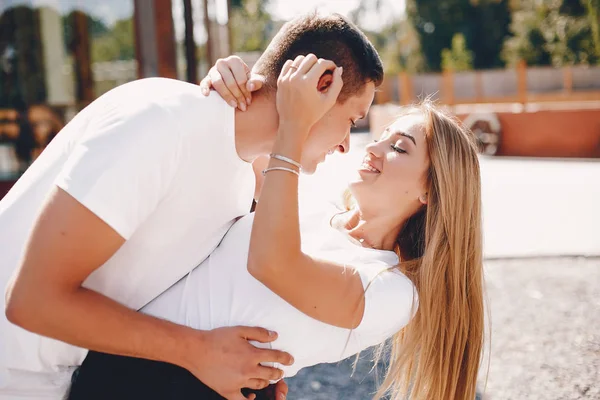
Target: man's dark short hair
x=331 y=37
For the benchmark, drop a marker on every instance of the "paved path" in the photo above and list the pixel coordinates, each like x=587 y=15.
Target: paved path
x=545 y=342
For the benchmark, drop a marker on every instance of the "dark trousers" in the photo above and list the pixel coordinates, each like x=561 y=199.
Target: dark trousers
x=109 y=377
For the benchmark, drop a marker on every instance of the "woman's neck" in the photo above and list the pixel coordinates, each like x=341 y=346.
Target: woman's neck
x=374 y=231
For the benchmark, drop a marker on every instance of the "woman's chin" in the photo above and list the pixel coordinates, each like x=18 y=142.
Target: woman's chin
x=355 y=187
x=359 y=179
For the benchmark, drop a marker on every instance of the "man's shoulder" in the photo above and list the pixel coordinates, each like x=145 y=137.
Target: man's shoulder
x=152 y=99
x=186 y=100
x=158 y=90
x=166 y=87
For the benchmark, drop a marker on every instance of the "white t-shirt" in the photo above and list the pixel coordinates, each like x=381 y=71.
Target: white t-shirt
x=157 y=162
x=221 y=292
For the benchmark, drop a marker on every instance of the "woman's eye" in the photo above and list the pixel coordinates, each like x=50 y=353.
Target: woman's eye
x=398 y=149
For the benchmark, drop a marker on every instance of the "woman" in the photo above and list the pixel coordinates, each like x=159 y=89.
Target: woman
x=404 y=260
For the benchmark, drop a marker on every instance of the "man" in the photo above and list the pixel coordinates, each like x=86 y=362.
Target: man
x=134 y=193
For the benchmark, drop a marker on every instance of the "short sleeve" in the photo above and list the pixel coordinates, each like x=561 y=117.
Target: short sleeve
x=123 y=164
x=389 y=297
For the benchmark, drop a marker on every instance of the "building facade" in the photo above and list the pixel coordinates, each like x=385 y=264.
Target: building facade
x=57 y=56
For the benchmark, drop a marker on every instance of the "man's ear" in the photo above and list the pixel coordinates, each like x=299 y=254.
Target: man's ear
x=325 y=81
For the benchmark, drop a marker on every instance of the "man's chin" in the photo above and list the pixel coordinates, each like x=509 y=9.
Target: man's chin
x=310 y=169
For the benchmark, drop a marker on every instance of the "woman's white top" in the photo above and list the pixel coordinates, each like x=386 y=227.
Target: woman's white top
x=221 y=292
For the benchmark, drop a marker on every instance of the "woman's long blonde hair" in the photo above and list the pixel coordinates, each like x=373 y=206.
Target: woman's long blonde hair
x=438 y=354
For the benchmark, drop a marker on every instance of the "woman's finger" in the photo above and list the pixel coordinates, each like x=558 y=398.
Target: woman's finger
x=205 y=86
x=336 y=86
x=307 y=63
x=297 y=63
x=255 y=82
x=219 y=85
x=319 y=68
x=241 y=75
x=231 y=83
x=287 y=67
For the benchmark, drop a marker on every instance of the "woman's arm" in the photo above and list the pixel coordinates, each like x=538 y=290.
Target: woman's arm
x=329 y=292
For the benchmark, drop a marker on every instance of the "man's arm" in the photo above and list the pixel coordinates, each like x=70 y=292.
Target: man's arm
x=67 y=244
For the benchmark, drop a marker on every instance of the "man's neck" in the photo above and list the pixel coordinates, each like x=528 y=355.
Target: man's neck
x=256 y=128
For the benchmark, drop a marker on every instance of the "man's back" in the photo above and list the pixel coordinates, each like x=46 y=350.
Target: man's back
x=156 y=161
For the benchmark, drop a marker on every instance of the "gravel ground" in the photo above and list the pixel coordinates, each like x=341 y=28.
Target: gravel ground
x=545 y=337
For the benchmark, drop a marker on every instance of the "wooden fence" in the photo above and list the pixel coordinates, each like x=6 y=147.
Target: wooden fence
x=521 y=84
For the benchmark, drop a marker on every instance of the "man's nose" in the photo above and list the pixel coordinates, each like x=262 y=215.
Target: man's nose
x=344 y=147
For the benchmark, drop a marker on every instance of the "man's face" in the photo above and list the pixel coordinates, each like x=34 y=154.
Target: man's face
x=332 y=132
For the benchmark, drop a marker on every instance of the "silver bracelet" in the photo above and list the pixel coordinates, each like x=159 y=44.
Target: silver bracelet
x=293 y=171
x=286 y=159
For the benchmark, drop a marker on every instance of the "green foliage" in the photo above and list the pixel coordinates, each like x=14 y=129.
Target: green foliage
x=397 y=43
x=553 y=32
x=593 y=14
x=117 y=43
x=459 y=57
x=399 y=48
x=107 y=43
x=483 y=23
x=252 y=26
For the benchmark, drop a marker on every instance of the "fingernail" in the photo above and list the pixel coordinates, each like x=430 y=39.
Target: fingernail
x=243 y=106
x=272 y=334
x=341 y=70
x=249 y=100
x=281 y=396
x=233 y=103
x=252 y=86
x=205 y=91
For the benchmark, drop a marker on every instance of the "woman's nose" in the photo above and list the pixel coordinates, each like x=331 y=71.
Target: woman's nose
x=374 y=148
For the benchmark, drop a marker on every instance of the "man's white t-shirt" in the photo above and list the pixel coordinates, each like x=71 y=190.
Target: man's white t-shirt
x=156 y=161
x=221 y=292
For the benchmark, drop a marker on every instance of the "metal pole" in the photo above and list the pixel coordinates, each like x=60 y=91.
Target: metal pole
x=190 y=44
x=207 y=25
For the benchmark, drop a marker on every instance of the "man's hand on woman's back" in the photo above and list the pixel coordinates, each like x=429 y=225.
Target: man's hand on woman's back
x=227 y=362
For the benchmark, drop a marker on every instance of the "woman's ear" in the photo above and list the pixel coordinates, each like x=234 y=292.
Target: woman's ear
x=325 y=81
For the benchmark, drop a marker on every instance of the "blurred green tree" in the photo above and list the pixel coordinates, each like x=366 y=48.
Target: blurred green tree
x=593 y=14
x=459 y=57
x=397 y=43
x=252 y=27
x=107 y=43
x=118 y=43
x=399 y=47
x=553 y=32
x=483 y=23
